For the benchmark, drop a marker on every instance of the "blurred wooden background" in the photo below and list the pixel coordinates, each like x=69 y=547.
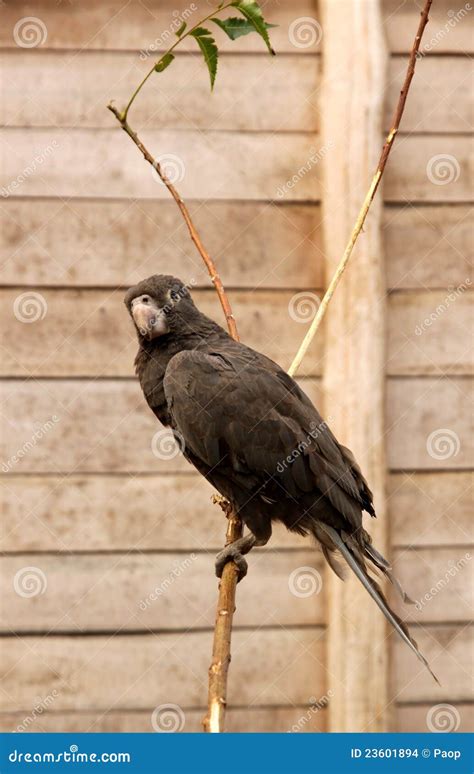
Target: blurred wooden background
x=89 y=507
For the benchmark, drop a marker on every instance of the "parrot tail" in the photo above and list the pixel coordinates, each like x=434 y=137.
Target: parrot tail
x=355 y=555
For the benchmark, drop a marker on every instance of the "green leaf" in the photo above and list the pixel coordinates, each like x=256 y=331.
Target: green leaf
x=164 y=62
x=235 y=28
x=253 y=13
x=207 y=44
x=180 y=31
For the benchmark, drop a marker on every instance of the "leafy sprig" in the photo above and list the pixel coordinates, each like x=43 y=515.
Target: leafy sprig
x=234 y=27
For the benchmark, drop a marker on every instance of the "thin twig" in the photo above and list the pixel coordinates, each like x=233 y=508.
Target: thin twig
x=193 y=232
x=370 y=194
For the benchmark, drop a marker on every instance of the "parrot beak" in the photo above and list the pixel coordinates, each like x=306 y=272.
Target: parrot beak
x=150 y=321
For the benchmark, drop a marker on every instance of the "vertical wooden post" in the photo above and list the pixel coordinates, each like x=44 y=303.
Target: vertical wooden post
x=351 y=123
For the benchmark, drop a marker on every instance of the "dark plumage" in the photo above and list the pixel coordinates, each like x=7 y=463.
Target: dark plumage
x=253 y=433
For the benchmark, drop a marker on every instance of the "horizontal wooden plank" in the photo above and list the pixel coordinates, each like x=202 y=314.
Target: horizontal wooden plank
x=84 y=242
x=428 y=246
x=449 y=652
x=429 y=331
x=98 y=513
x=438 y=580
x=252 y=93
x=429 y=424
x=441 y=97
x=269 y=666
x=153 y=591
x=434 y=169
x=285 y=166
x=238 y=720
x=414 y=718
x=430 y=508
x=449 y=29
x=104 y=163
x=48 y=428
x=285 y=89
x=80 y=426
x=408 y=718
x=77 y=333
x=151 y=25
x=136 y=26
x=109 y=593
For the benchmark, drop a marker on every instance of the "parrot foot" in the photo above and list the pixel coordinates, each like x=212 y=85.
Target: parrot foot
x=234 y=553
x=231 y=554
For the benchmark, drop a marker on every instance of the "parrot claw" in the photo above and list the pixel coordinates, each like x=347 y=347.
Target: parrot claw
x=231 y=554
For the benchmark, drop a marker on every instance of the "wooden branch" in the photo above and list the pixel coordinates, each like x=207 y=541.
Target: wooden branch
x=193 y=232
x=370 y=193
x=217 y=692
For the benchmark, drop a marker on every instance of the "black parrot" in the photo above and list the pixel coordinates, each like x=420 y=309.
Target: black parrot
x=254 y=434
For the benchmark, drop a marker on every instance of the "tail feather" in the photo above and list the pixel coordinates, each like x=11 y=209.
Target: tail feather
x=374 y=589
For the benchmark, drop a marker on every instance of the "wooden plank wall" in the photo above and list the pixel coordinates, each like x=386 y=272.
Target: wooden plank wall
x=87 y=502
